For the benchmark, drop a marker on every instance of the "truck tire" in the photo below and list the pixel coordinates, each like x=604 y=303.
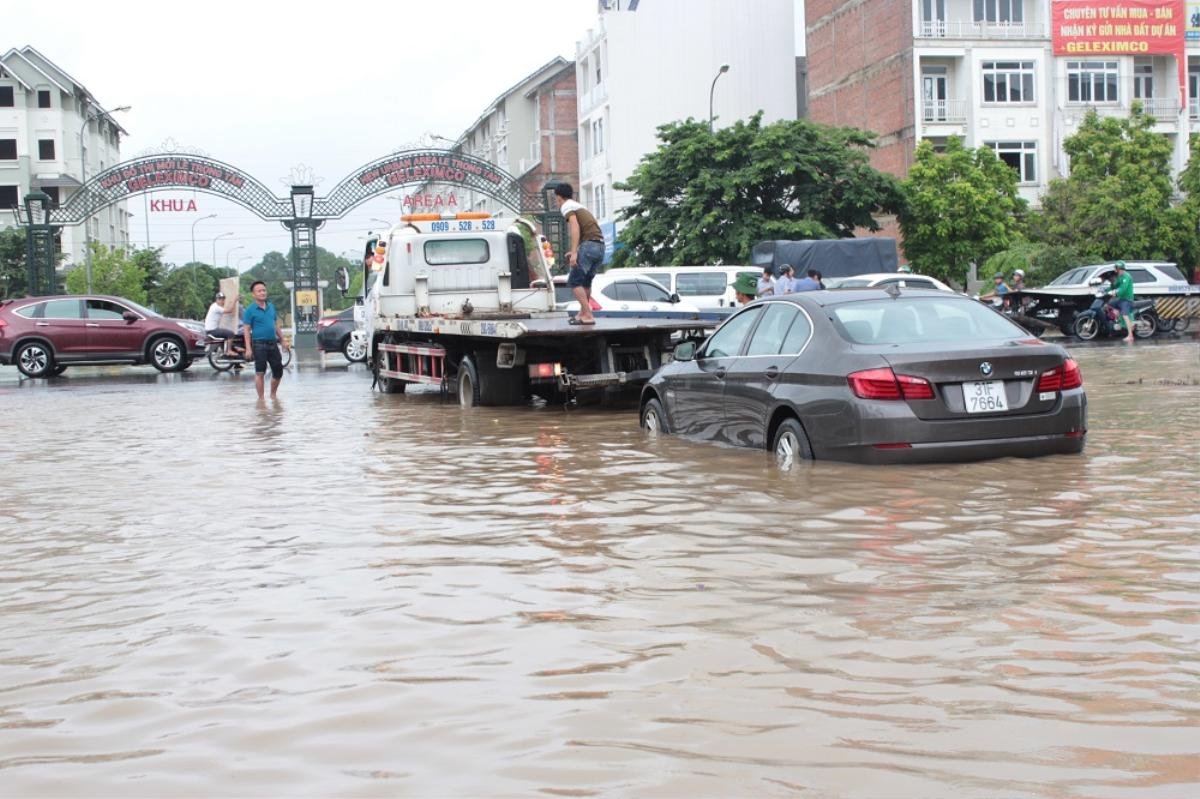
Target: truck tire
x=388 y=385
x=481 y=382
x=468 y=384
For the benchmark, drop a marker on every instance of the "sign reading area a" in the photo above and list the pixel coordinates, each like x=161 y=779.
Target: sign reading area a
x=1110 y=28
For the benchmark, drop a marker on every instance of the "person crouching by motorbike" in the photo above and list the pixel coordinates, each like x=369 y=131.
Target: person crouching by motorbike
x=212 y=323
x=1123 y=299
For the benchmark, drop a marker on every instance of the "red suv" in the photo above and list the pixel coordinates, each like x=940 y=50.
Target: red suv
x=45 y=335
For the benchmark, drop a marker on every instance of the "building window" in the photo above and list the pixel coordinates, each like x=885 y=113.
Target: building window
x=1092 y=81
x=1008 y=82
x=43 y=98
x=1143 y=79
x=597 y=136
x=8 y=196
x=599 y=206
x=599 y=75
x=45 y=149
x=8 y=149
x=6 y=97
x=1194 y=92
x=1020 y=155
x=999 y=11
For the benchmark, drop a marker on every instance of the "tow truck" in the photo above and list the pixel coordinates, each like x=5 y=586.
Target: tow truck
x=465 y=301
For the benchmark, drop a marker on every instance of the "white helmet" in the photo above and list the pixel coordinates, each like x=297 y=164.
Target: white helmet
x=1020 y=272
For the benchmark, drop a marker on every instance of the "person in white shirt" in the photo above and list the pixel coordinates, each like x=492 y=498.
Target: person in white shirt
x=766 y=283
x=212 y=323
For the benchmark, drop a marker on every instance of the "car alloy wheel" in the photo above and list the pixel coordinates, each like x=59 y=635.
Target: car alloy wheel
x=34 y=360
x=354 y=350
x=166 y=354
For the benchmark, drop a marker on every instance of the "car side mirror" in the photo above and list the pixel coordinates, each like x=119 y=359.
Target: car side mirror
x=129 y=316
x=685 y=351
x=341 y=279
x=674 y=298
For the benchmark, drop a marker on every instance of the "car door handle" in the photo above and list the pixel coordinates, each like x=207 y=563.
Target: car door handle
x=42 y=324
x=772 y=372
x=720 y=372
x=90 y=324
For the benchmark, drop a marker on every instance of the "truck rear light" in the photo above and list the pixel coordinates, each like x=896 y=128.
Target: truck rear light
x=884 y=384
x=543 y=370
x=1061 y=378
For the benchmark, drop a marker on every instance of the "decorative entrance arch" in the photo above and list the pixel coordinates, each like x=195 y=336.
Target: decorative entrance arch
x=302 y=212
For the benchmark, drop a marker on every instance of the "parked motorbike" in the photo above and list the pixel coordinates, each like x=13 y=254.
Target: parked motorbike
x=215 y=349
x=1102 y=319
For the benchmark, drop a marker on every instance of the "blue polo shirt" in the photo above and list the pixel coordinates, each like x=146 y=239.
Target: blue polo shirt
x=261 y=321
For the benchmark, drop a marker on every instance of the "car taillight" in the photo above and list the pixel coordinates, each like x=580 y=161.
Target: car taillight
x=1061 y=378
x=884 y=384
x=324 y=323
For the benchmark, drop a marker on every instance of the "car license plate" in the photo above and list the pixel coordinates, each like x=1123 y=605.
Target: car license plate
x=985 y=396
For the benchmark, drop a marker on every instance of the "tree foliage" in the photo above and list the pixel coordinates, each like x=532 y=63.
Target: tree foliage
x=707 y=197
x=1041 y=262
x=113 y=272
x=1117 y=201
x=13 y=272
x=961 y=206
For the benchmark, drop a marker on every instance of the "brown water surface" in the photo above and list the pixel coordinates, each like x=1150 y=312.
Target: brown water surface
x=353 y=594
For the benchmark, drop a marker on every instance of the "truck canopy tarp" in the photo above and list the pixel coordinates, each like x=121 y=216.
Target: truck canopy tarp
x=830 y=257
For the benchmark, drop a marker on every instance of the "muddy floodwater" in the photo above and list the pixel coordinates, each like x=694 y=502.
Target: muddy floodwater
x=352 y=594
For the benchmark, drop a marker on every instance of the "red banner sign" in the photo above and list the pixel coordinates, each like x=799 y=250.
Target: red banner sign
x=1108 y=28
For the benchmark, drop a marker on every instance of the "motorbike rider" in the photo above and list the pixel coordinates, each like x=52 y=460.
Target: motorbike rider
x=1123 y=299
x=1018 y=280
x=999 y=289
x=212 y=323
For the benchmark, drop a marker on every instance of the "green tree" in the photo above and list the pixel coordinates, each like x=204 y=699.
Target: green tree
x=1117 y=201
x=1041 y=262
x=1189 y=209
x=150 y=260
x=709 y=196
x=961 y=206
x=113 y=272
x=13 y=271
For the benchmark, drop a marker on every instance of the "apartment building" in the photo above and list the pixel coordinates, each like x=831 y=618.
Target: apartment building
x=45 y=118
x=649 y=62
x=528 y=131
x=985 y=70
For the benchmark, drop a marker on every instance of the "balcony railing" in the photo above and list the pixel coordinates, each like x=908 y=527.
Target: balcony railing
x=965 y=29
x=943 y=111
x=1160 y=108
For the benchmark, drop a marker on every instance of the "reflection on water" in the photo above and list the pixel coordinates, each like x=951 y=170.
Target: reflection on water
x=357 y=594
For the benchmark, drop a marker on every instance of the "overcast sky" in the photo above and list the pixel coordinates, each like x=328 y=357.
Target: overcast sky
x=266 y=87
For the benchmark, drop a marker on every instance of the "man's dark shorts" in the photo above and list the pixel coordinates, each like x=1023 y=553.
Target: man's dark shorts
x=267 y=352
x=587 y=260
x=1124 y=307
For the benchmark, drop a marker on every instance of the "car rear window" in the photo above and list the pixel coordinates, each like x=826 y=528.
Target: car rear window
x=1070 y=277
x=1141 y=276
x=1172 y=271
x=931 y=320
x=29 y=311
x=696 y=284
x=661 y=277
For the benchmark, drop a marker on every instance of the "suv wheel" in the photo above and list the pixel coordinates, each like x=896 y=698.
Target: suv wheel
x=35 y=359
x=166 y=353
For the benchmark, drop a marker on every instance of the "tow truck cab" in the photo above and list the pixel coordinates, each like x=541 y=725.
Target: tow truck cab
x=457 y=265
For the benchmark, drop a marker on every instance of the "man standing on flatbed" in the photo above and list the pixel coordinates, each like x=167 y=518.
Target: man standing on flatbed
x=586 y=253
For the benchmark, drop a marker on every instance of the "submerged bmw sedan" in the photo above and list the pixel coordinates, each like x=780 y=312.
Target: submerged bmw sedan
x=872 y=376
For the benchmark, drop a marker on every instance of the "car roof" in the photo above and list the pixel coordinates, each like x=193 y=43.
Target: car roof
x=831 y=298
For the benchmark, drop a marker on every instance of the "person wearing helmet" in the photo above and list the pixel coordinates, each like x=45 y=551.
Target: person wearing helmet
x=999 y=289
x=1018 y=280
x=1123 y=299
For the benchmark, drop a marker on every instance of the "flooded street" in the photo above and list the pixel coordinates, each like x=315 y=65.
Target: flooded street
x=356 y=594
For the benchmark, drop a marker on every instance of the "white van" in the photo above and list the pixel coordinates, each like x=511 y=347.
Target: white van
x=704 y=286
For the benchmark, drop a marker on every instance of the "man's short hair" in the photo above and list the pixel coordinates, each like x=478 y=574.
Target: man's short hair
x=256 y=283
x=813 y=273
x=564 y=190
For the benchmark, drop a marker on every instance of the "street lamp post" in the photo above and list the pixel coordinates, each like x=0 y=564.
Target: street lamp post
x=721 y=71
x=198 y=221
x=87 y=220
x=231 y=251
x=214 y=246
x=39 y=244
